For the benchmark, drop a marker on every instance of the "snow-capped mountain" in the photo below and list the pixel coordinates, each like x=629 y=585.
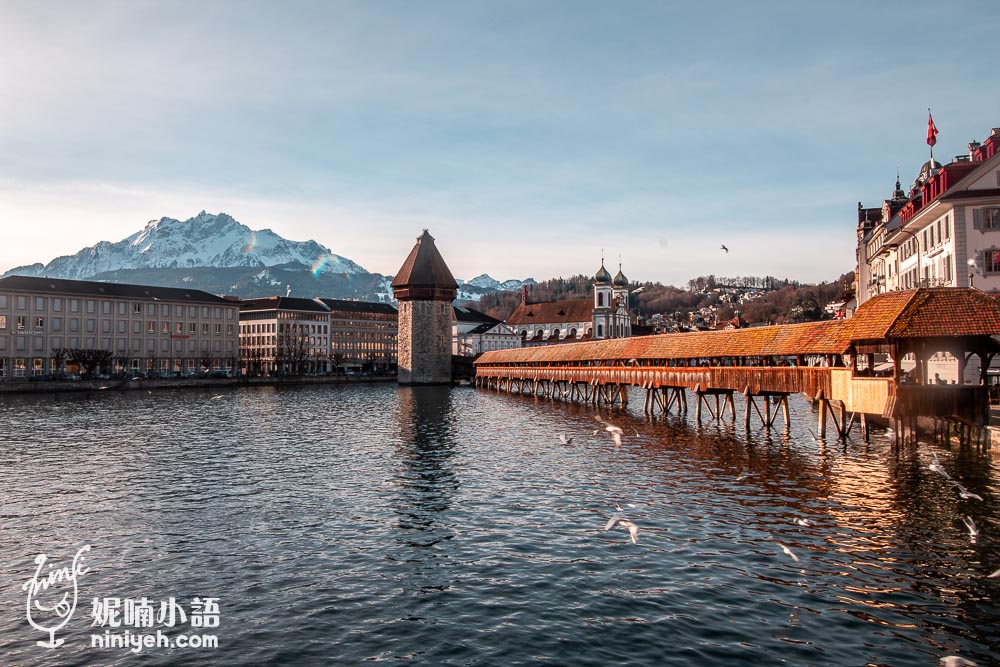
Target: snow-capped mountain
x=473 y=290
x=205 y=240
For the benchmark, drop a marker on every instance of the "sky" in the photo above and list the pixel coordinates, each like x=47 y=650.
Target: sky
x=530 y=138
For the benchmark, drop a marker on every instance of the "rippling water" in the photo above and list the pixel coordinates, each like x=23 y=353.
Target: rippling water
x=339 y=525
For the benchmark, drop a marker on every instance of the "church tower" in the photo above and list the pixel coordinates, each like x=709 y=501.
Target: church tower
x=425 y=290
x=604 y=306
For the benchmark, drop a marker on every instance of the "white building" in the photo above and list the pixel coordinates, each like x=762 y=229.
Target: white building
x=474 y=332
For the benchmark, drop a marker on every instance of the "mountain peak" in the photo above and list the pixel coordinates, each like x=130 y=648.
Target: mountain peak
x=205 y=240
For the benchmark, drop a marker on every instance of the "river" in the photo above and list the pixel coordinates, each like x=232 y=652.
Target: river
x=333 y=525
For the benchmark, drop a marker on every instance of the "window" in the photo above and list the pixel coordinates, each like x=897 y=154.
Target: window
x=151 y=327
x=22 y=303
x=3 y=300
x=39 y=303
x=57 y=305
x=192 y=328
x=74 y=305
x=137 y=308
x=56 y=325
x=106 y=307
x=90 y=306
x=3 y=321
x=136 y=327
x=39 y=322
x=91 y=324
x=165 y=327
x=986 y=218
x=106 y=326
x=74 y=324
x=229 y=329
x=178 y=311
x=991 y=261
x=122 y=326
x=21 y=321
x=178 y=327
x=164 y=310
x=122 y=308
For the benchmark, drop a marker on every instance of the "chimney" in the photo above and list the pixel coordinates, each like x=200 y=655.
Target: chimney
x=524 y=295
x=973 y=147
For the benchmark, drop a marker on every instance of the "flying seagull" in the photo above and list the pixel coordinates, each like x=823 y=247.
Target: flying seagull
x=971 y=525
x=788 y=552
x=564 y=440
x=724 y=248
x=955 y=661
x=633 y=530
x=965 y=494
x=937 y=467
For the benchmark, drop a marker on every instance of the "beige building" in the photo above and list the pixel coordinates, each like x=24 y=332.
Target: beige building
x=50 y=326
x=282 y=335
x=363 y=335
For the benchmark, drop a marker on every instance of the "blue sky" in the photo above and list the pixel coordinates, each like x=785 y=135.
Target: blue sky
x=527 y=136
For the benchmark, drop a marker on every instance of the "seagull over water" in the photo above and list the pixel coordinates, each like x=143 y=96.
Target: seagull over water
x=955 y=661
x=788 y=552
x=616 y=432
x=937 y=467
x=971 y=525
x=564 y=440
x=965 y=494
x=633 y=530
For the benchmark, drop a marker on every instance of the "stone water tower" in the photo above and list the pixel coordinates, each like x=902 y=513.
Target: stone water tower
x=425 y=289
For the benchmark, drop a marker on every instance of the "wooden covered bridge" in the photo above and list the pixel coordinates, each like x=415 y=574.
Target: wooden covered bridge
x=831 y=362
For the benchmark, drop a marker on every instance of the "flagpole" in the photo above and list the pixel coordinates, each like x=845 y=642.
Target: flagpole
x=929 y=138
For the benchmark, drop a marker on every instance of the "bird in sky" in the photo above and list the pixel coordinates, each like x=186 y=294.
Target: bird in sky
x=724 y=248
x=633 y=530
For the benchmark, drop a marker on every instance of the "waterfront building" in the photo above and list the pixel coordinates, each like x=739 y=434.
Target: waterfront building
x=425 y=288
x=284 y=336
x=474 y=333
x=944 y=232
x=603 y=316
x=51 y=326
x=363 y=335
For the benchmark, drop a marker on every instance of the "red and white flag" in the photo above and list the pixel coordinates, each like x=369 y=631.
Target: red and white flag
x=931 y=130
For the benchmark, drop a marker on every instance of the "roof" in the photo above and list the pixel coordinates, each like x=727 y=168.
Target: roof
x=344 y=305
x=99 y=289
x=283 y=303
x=602 y=275
x=931 y=312
x=927 y=312
x=565 y=311
x=465 y=314
x=424 y=275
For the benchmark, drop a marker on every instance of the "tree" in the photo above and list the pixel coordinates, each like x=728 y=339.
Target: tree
x=89 y=360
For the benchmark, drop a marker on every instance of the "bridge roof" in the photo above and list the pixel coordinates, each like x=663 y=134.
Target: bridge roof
x=929 y=312
x=933 y=312
x=831 y=337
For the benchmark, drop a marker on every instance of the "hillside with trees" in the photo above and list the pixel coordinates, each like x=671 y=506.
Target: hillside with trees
x=759 y=300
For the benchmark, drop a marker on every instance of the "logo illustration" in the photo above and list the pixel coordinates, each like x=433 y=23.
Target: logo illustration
x=49 y=596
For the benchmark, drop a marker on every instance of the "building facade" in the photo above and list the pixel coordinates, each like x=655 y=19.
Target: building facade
x=363 y=335
x=944 y=232
x=425 y=289
x=474 y=333
x=50 y=326
x=604 y=315
x=282 y=335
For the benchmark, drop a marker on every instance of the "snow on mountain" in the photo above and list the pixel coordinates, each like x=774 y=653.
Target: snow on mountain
x=484 y=281
x=205 y=240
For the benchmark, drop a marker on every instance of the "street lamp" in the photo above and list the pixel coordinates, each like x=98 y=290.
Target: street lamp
x=972 y=270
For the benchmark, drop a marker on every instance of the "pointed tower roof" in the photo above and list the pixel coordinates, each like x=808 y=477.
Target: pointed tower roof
x=424 y=276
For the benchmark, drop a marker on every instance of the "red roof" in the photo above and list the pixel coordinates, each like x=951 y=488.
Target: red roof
x=567 y=311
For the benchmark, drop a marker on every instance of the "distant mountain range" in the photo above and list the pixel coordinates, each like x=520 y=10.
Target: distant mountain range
x=215 y=253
